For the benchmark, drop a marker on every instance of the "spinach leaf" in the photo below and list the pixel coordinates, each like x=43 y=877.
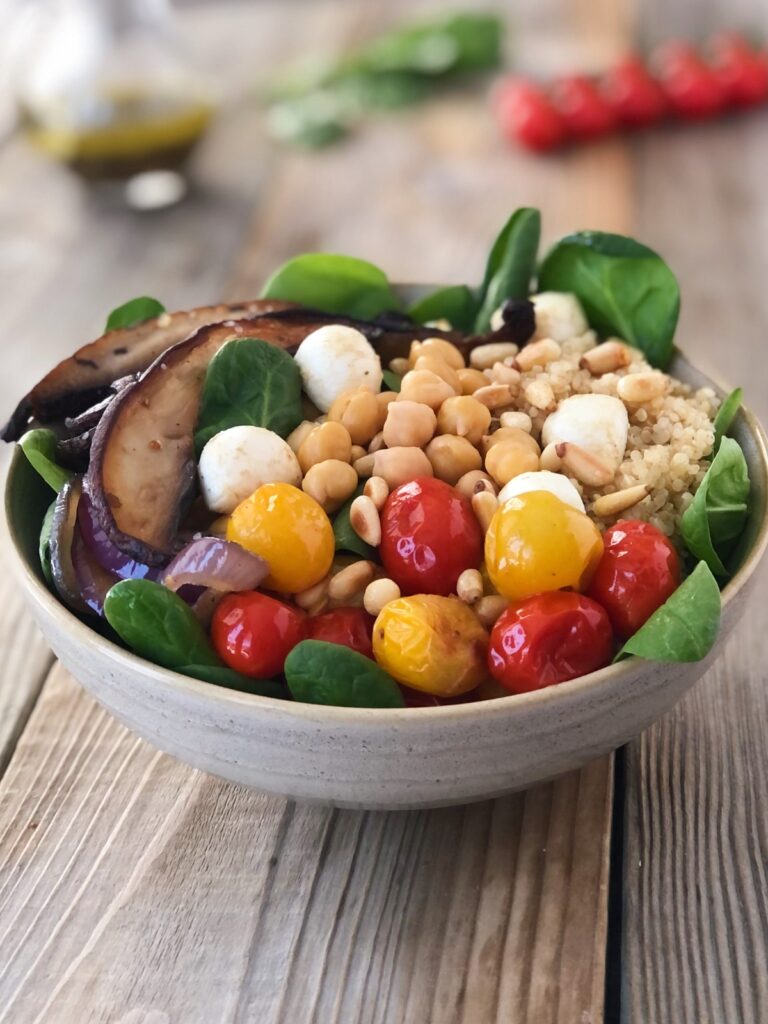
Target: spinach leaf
x=511 y=264
x=134 y=312
x=333 y=284
x=719 y=511
x=157 y=624
x=345 y=537
x=44 y=545
x=222 y=676
x=318 y=672
x=249 y=382
x=624 y=287
x=726 y=414
x=456 y=304
x=686 y=625
x=392 y=380
x=39 y=446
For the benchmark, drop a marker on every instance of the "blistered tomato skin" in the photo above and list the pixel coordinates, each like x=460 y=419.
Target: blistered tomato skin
x=351 y=627
x=429 y=536
x=549 y=639
x=288 y=529
x=639 y=570
x=253 y=633
x=431 y=643
x=538 y=543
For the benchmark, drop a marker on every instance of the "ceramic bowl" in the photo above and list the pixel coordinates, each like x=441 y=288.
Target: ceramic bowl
x=405 y=758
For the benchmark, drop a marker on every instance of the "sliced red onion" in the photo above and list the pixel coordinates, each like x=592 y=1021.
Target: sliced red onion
x=94 y=581
x=107 y=555
x=217 y=564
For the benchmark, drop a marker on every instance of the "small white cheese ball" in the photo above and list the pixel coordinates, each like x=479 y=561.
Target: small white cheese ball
x=558 y=316
x=238 y=460
x=542 y=480
x=335 y=358
x=597 y=423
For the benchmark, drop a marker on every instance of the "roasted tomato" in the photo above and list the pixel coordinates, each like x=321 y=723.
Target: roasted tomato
x=254 y=633
x=639 y=570
x=429 y=536
x=548 y=639
x=351 y=627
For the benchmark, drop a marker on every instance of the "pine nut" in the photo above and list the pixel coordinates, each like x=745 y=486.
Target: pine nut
x=440 y=349
x=504 y=434
x=469 y=586
x=452 y=457
x=605 y=358
x=488 y=609
x=495 y=396
x=330 y=483
x=500 y=373
x=435 y=364
x=364 y=465
x=399 y=465
x=637 y=388
x=585 y=466
x=379 y=593
x=377 y=443
x=400 y=366
x=521 y=420
x=326 y=441
x=484 y=505
x=351 y=580
x=297 y=437
x=550 y=460
x=313 y=595
x=357 y=452
x=464 y=416
x=471 y=380
x=612 y=504
x=424 y=386
x=485 y=356
x=358 y=411
x=474 y=482
x=509 y=459
x=364 y=520
x=377 y=489
x=540 y=395
x=538 y=353
x=409 y=424
x=384 y=399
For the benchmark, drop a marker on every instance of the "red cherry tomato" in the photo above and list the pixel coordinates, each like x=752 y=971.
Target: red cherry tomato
x=639 y=570
x=254 y=634
x=527 y=115
x=548 y=639
x=741 y=71
x=691 y=87
x=351 y=627
x=635 y=97
x=429 y=536
x=585 y=112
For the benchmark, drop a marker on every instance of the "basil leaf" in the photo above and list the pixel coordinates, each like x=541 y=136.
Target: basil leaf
x=44 y=545
x=222 y=676
x=318 y=672
x=624 y=287
x=134 y=312
x=511 y=264
x=249 y=382
x=458 y=42
x=381 y=90
x=720 y=509
x=393 y=380
x=345 y=537
x=157 y=624
x=726 y=414
x=39 y=446
x=313 y=121
x=686 y=625
x=333 y=284
x=456 y=304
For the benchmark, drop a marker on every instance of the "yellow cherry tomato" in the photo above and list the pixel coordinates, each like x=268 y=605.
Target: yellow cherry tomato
x=434 y=644
x=536 y=542
x=290 y=531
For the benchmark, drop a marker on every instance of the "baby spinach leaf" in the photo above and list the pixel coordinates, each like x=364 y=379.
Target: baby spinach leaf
x=222 y=676
x=134 y=312
x=511 y=264
x=249 y=382
x=318 y=672
x=345 y=537
x=719 y=511
x=39 y=446
x=157 y=624
x=686 y=625
x=392 y=380
x=726 y=414
x=333 y=284
x=624 y=287
x=456 y=303
x=44 y=547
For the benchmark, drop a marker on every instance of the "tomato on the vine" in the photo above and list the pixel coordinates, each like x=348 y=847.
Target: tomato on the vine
x=528 y=116
x=254 y=634
x=351 y=627
x=587 y=115
x=633 y=94
x=741 y=71
x=691 y=86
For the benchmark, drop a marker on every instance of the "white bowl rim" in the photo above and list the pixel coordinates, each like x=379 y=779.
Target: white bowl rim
x=329 y=714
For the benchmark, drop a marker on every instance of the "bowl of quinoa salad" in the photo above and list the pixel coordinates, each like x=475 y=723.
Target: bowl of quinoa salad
x=392 y=546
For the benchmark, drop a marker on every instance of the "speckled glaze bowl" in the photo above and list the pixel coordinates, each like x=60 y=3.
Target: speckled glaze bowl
x=404 y=758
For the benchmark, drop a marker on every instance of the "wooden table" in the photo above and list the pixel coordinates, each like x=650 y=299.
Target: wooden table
x=137 y=891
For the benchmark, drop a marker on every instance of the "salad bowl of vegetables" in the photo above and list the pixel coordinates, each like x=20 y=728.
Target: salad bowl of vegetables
x=386 y=546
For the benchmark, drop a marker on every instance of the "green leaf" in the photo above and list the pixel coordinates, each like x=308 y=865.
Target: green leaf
x=458 y=42
x=222 y=676
x=249 y=382
x=44 y=548
x=134 y=312
x=157 y=624
x=511 y=264
x=313 y=121
x=457 y=304
x=39 y=446
x=333 y=284
x=318 y=672
x=392 y=380
x=345 y=536
x=625 y=288
x=726 y=414
x=686 y=625
x=388 y=90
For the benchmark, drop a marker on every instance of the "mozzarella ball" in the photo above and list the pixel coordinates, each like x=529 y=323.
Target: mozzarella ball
x=558 y=316
x=597 y=423
x=237 y=461
x=334 y=359
x=542 y=480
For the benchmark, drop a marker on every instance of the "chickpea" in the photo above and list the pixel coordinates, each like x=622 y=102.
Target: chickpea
x=504 y=434
x=452 y=457
x=442 y=369
x=330 y=483
x=326 y=441
x=409 y=424
x=473 y=482
x=297 y=436
x=465 y=416
x=510 y=459
x=471 y=380
x=483 y=357
x=441 y=349
x=399 y=465
x=425 y=386
x=384 y=399
x=357 y=410
x=357 y=452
